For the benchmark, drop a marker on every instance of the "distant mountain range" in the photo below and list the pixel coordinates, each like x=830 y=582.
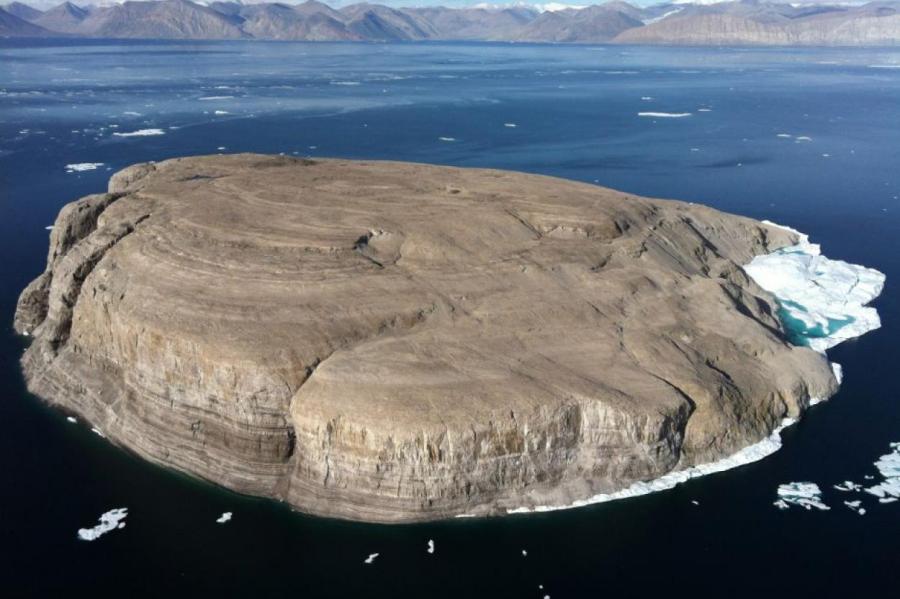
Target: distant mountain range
x=744 y=22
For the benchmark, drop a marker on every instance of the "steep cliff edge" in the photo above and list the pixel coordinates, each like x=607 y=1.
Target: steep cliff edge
x=393 y=342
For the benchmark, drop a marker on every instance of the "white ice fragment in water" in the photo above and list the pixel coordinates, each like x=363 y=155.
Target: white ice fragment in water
x=216 y=98
x=49 y=228
x=823 y=301
x=695 y=502
x=855 y=506
x=132 y=113
x=447 y=138
x=838 y=371
x=665 y=115
x=805 y=495
x=110 y=520
x=524 y=553
x=71 y=419
x=848 y=486
x=646 y=98
x=704 y=110
x=221 y=112
x=141 y=133
x=803 y=138
x=430 y=546
x=784 y=135
x=225 y=517
x=510 y=125
x=371 y=558
x=888 y=466
x=83 y=166
x=97 y=431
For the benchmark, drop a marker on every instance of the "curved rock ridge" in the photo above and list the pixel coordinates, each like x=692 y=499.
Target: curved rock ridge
x=388 y=341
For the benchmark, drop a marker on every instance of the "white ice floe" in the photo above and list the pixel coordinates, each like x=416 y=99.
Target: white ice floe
x=665 y=115
x=749 y=454
x=141 y=133
x=884 y=66
x=823 y=301
x=349 y=83
x=888 y=466
x=646 y=98
x=132 y=113
x=71 y=419
x=447 y=138
x=848 y=486
x=704 y=110
x=510 y=125
x=838 y=371
x=109 y=521
x=524 y=553
x=83 y=166
x=98 y=432
x=430 y=545
x=856 y=506
x=208 y=98
x=49 y=227
x=371 y=558
x=221 y=112
x=805 y=495
x=225 y=517
x=803 y=138
x=784 y=135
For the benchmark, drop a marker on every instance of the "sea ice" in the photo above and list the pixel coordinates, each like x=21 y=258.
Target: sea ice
x=371 y=558
x=510 y=125
x=665 y=115
x=430 y=546
x=822 y=301
x=141 y=133
x=888 y=466
x=83 y=166
x=847 y=486
x=747 y=455
x=216 y=98
x=805 y=495
x=98 y=432
x=856 y=506
x=110 y=520
x=784 y=135
x=447 y=138
x=225 y=517
x=704 y=110
x=221 y=112
x=803 y=138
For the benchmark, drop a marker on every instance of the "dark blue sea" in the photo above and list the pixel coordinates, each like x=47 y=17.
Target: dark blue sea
x=575 y=111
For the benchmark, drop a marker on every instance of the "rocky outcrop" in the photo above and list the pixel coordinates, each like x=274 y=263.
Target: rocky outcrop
x=394 y=342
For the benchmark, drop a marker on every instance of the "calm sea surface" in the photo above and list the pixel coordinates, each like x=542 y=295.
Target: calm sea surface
x=575 y=111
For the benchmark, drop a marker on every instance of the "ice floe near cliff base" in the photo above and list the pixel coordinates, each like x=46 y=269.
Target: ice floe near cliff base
x=822 y=301
x=111 y=520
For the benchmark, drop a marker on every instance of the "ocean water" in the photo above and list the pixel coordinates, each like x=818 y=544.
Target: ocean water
x=807 y=138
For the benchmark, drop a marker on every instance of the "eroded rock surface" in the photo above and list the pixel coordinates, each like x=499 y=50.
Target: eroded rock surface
x=391 y=342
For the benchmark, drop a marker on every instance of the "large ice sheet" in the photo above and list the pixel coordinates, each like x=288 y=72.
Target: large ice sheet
x=822 y=301
x=889 y=467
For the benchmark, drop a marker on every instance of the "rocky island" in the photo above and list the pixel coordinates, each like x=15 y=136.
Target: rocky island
x=387 y=341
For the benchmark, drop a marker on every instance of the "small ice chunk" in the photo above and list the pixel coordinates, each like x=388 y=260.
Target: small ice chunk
x=665 y=115
x=695 y=502
x=141 y=133
x=71 y=419
x=430 y=546
x=79 y=167
x=108 y=521
x=97 y=431
x=132 y=113
x=784 y=135
x=510 y=125
x=524 y=553
x=848 y=486
x=646 y=98
x=221 y=112
x=49 y=228
x=856 y=507
x=704 y=110
x=838 y=371
x=805 y=495
x=803 y=138
x=205 y=98
x=225 y=517
x=371 y=558
x=447 y=138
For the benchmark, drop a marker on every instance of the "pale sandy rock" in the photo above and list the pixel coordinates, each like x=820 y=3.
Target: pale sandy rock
x=392 y=342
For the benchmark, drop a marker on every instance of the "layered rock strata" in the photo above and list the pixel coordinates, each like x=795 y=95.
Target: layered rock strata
x=390 y=342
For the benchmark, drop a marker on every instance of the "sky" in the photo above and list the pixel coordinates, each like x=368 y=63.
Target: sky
x=539 y=4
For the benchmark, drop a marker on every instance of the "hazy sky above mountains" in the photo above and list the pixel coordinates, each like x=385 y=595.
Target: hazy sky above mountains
x=539 y=4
